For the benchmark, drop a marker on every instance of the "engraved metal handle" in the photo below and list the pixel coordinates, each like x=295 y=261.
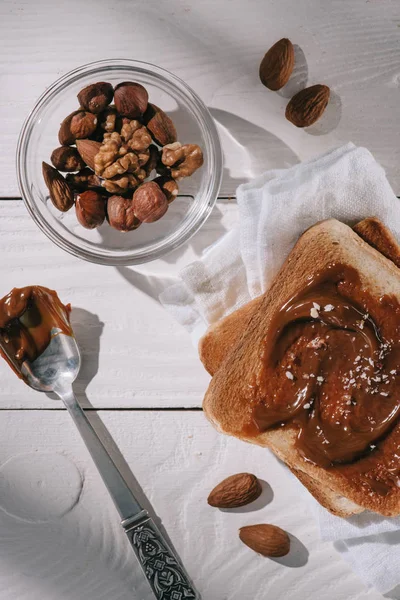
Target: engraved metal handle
x=161 y=565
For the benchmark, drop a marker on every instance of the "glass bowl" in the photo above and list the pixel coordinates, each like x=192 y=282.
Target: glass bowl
x=104 y=245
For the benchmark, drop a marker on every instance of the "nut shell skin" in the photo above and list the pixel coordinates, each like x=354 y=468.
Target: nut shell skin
x=149 y=202
x=88 y=150
x=168 y=186
x=78 y=125
x=96 y=97
x=67 y=159
x=120 y=214
x=234 y=491
x=268 y=540
x=130 y=99
x=308 y=105
x=277 y=65
x=90 y=209
x=60 y=192
x=160 y=125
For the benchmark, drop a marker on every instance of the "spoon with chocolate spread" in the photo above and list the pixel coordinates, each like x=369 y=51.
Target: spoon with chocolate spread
x=37 y=341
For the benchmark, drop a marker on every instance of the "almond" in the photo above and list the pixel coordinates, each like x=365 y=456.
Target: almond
x=88 y=149
x=236 y=490
x=277 y=65
x=307 y=106
x=60 y=192
x=268 y=540
x=160 y=125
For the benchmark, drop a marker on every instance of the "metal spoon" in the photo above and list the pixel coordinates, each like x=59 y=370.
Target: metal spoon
x=55 y=370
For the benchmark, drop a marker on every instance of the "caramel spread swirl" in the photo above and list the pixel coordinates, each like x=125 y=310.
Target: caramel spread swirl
x=331 y=369
x=29 y=318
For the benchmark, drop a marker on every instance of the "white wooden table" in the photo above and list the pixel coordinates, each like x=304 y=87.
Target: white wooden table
x=59 y=533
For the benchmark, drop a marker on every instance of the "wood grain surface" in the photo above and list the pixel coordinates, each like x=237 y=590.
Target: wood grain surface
x=59 y=533
x=216 y=47
x=78 y=550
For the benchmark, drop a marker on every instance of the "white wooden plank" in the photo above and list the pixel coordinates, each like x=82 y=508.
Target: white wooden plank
x=216 y=47
x=60 y=541
x=134 y=353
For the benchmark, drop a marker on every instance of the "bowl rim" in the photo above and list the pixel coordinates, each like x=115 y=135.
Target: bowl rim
x=162 y=247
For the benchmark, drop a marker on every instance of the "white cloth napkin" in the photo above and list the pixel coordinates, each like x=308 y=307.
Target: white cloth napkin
x=273 y=211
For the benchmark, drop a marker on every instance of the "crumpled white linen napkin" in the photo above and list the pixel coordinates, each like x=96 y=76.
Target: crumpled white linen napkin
x=273 y=211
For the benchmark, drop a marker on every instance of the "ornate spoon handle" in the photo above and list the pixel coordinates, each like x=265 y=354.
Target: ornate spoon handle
x=161 y=565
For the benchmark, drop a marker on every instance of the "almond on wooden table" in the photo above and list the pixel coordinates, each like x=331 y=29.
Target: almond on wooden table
x=236 y=490
x=307 y=106
x=265 y=539
x=277 y=65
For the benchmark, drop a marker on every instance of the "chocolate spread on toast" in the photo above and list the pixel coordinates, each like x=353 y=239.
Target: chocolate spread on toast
x=331 y=369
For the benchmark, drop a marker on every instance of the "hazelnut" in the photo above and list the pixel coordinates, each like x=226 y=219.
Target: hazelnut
x=149 y=202
x=78 y=125
x=67 y=159
x=160 y=125
x=130 y=99
x=96 y=97
x=168 y=186
x=120 y=214
x=90 y=209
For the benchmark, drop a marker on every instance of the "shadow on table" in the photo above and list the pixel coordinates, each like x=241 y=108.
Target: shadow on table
x=298 y=554
x=394 y=594
x=299 y=77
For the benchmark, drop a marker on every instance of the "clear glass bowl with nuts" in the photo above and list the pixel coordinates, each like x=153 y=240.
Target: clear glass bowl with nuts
x=119 y=162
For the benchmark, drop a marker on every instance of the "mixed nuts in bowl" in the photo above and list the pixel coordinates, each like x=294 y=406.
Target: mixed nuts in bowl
x=135 y=170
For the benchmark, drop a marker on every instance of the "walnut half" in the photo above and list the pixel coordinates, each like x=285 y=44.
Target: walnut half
x=182 y=160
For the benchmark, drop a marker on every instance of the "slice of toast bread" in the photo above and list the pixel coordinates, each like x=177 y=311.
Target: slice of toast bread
x=224 y=334
x=230 y=351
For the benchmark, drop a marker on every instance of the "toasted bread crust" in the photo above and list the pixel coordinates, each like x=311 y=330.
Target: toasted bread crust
x=379 y=237
x=225 y=403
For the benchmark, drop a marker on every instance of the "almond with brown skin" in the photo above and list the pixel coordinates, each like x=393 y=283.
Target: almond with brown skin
x=307 y=106
x=130 y=99
x=88 y=149
x=78 y=125
x=96 y=97
x=60 y=192
x=268 y=540
x=90 y=209
x=277 y=65
x=66 y=158
x=160 y=125
x=236 y=490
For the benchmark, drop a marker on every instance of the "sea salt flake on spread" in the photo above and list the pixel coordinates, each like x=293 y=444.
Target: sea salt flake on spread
x=314 y=313
x=328 y=307
x=289 y=375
